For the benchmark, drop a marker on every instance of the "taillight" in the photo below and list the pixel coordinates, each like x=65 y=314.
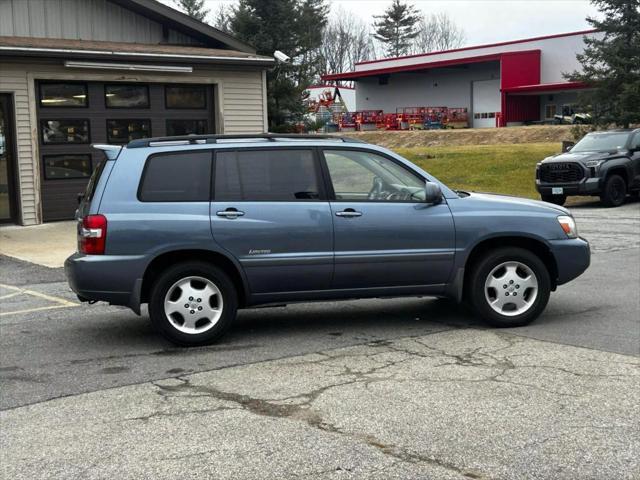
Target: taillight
x=92 y=235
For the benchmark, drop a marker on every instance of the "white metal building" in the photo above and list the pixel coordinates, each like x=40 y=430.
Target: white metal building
x=500 y=84
x=77 y=72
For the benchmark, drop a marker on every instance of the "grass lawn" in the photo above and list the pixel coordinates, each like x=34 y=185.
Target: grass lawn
x=507 y=168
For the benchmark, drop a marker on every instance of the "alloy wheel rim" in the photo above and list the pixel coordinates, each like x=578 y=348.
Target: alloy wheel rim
x=511 y=288
x=193 y=305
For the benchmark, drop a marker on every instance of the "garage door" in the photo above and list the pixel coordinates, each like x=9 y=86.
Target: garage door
x=486 y=103
x=73 y=115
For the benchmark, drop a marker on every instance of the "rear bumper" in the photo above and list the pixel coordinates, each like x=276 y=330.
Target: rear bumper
x=116 y=279
x=589 y=186
x=573 y=257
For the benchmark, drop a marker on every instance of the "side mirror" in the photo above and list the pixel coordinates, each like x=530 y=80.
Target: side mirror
x=432 y=193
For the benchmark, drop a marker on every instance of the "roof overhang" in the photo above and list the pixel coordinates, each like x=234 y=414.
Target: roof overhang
x=413 y=67
x=118 y=52
x=541 y=88
x=170 y=16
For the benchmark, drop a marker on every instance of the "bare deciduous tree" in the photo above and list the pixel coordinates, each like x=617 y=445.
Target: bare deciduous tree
x=437 y=32
x=221 y=17
x=346 y=41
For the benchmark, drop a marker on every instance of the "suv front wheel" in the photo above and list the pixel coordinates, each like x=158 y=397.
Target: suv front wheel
x=193 y=303
x=509 y=287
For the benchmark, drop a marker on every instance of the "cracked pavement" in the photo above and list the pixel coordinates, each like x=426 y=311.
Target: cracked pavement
x=381 y=389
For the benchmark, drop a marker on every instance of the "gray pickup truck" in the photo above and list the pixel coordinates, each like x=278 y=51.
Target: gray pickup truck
x=604 y=164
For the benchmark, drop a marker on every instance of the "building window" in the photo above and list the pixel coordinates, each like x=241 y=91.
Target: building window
x=65 y=130
x=266 y=176
x=126 y=96
x=63 y=95
x=177 y=177
x=186 y=96
x=550 y=110
x=61 y=167
x=186 y=127
x=125 y=130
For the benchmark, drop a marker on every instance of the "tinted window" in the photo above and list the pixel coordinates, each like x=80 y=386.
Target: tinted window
x=126 y=96
x=58 y=167
x=63 y=95
x=93 y=181
x=186 y=96
x=635 y=143
x=365 y=176
x=65 y=130
x=177 y=177
x=266 y=175
x=125 y=130
x=186 y=127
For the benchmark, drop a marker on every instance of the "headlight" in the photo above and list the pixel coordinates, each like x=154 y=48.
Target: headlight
x=568 y=224
x=594 y=163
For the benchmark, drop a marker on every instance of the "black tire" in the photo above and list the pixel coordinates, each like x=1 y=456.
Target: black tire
x=555 y=199
x=614 y=191
x=480 y=272
x=168 y=279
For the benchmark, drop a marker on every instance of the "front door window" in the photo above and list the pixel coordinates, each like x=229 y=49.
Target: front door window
x=7 y=211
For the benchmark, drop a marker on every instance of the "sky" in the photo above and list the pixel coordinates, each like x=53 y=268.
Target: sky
x=483 y=21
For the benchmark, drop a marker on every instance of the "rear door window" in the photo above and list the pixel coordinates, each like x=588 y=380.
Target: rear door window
x=266 y=176
x=176 y=177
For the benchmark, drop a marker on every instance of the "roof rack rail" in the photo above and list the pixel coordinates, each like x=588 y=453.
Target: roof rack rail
x=203 y=139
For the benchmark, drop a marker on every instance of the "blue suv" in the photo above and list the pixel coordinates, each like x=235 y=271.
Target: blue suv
x=200 y=226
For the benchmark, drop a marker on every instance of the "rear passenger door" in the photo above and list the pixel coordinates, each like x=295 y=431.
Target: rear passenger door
x=271 y=212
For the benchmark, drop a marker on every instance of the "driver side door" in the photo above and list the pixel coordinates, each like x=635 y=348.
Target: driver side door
x=384 y=235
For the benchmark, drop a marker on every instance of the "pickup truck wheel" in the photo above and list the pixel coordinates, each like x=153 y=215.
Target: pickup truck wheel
x=614 y=191
x=509 y=287
x=555 y=199
x=193 y=303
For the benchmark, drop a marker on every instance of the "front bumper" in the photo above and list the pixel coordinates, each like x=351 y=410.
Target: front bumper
x=116 y=279
x=573 y=257
x=588 y=186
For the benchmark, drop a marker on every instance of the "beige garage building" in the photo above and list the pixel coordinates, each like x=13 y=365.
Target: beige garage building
x=77 y=72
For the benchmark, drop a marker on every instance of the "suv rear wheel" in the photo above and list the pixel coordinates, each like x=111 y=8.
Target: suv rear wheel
x=509 y=287
x=193 y=303
x=614 y=191
x=555 y=199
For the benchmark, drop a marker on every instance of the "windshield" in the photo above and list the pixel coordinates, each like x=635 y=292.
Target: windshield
x=601 y=142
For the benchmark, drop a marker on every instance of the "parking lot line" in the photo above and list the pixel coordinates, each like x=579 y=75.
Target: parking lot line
x=60 y=302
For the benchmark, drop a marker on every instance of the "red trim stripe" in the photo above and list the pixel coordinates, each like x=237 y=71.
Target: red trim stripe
x=546 y=87
x=408 y=68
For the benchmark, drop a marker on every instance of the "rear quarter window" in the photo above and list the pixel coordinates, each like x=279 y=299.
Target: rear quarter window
x=94 y=179
x=176 y=177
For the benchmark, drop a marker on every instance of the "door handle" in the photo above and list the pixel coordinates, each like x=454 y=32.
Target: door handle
x=349 y=213
x=230 y=213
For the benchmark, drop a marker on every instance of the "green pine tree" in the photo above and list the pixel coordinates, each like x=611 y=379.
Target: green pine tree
x=193 y=8
x=295 y=28
x=397 y=28
x=611 y=64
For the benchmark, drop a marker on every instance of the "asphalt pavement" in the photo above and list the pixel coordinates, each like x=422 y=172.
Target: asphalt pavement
x=389 y=388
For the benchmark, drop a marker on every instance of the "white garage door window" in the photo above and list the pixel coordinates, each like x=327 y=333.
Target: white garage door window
x=486 y=103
